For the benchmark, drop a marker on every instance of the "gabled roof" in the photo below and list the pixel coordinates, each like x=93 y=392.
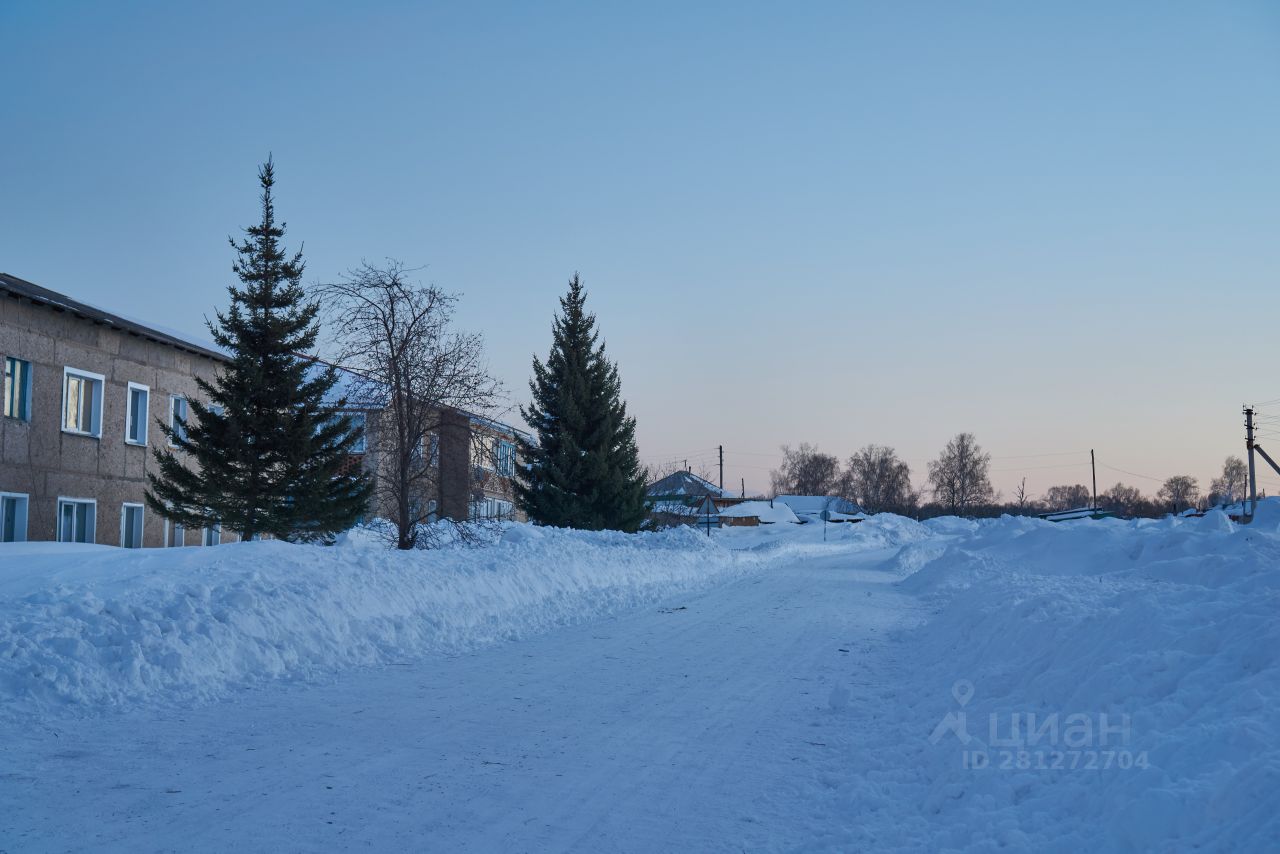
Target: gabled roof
x=685 y=483
x=11 y=287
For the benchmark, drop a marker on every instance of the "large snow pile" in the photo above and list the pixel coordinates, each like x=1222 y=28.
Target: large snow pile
x=90 y=627
x=1163 y=637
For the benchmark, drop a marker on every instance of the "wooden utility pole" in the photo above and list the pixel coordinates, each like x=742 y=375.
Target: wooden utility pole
x=722 y=469
x=744 y=487
x=1248 y=444
x=1093 y=464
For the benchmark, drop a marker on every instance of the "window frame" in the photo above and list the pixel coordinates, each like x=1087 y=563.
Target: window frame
x=125 y=507
x=23 y=395
x=174 y=398
x=24 y=505
x=505 y=462
x=93 y=521
x=173 y=527
x=216 y=530
x=99 y=385
x=129 y=413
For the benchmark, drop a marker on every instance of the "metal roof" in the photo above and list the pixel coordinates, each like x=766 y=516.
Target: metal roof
x=14 y=288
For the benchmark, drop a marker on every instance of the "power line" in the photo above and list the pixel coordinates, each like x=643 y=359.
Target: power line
x=1038 y=468
x=1133 y=473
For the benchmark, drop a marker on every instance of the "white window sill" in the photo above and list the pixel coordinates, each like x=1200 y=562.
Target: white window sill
x=71 y=432
x=141 y=444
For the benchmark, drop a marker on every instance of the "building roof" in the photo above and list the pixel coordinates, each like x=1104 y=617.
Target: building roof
x=11 y=287
x=814 y=505
x=761 y=510
x=686 y=483
x=689 y=506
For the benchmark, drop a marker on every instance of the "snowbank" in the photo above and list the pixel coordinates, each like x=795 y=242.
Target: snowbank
x=91 y=627
x=1171 y=629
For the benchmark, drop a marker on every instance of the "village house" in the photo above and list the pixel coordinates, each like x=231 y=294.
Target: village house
x=83 y=389
x=822 y=508
x=683 y=498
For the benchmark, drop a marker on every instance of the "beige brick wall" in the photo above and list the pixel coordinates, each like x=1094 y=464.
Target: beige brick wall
x=40 y=459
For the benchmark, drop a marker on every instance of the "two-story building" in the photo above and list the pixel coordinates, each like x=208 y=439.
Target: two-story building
x=82 y=391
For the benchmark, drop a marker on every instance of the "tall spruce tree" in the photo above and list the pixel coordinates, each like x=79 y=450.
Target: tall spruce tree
x=584 y=470
x=267 y=451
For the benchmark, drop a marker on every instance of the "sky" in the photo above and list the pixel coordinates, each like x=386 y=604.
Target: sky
x=1053 y=225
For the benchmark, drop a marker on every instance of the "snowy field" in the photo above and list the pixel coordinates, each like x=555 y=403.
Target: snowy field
x=1005 y=685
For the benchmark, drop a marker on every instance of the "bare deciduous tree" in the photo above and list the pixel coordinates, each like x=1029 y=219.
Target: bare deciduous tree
x=1068 y=497
x=959 y=475
x=414 y=372
x=806 y=471
x=880 y=482
x=1182 y=491
x=1233 y=483
x=1126 y=500
x=1020 y=496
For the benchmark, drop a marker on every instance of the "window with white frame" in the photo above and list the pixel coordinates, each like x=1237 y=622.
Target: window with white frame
x=13 y=517
x=177 y=417
x=82 y=402
x=17 y=389
x=491 y=508
x=131 y=526
x=506 y=458
x=433 y=450
x=77 y=520
x=174 y=534
x=137 y=405
x=213 y=534
x=484 y=453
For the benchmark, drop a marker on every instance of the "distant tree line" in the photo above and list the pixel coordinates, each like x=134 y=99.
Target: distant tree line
x=958 y=483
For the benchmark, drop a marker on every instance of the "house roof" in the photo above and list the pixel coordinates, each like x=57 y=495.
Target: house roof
x=813 y=505
x=689 y=506
x=686 y=483
x=12 y=287
x=761 y=510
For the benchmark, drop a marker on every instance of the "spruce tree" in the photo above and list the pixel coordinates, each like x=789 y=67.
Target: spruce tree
x=584 y=470
x=266 y=452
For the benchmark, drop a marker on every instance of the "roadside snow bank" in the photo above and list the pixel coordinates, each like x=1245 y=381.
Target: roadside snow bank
x=90 y=627
x=1164 y=636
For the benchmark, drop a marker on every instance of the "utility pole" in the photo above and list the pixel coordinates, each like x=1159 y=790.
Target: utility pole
x=744 y=487
x=1248 y=444
x=722 y=469
x=1093 y=464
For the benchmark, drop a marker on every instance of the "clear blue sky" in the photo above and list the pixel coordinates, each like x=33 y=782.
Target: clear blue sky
x=1054 y=225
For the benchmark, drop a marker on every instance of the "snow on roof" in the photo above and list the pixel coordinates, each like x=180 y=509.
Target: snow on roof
x=348 y=380
x=61 y=302
x=813 y=505
x=762 y=510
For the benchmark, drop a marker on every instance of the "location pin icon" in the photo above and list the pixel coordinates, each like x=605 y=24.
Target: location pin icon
x=962 y=690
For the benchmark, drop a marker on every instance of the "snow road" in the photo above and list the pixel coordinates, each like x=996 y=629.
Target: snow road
x=709 y=723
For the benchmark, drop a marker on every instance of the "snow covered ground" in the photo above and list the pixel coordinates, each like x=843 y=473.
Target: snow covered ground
x=762 y=689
